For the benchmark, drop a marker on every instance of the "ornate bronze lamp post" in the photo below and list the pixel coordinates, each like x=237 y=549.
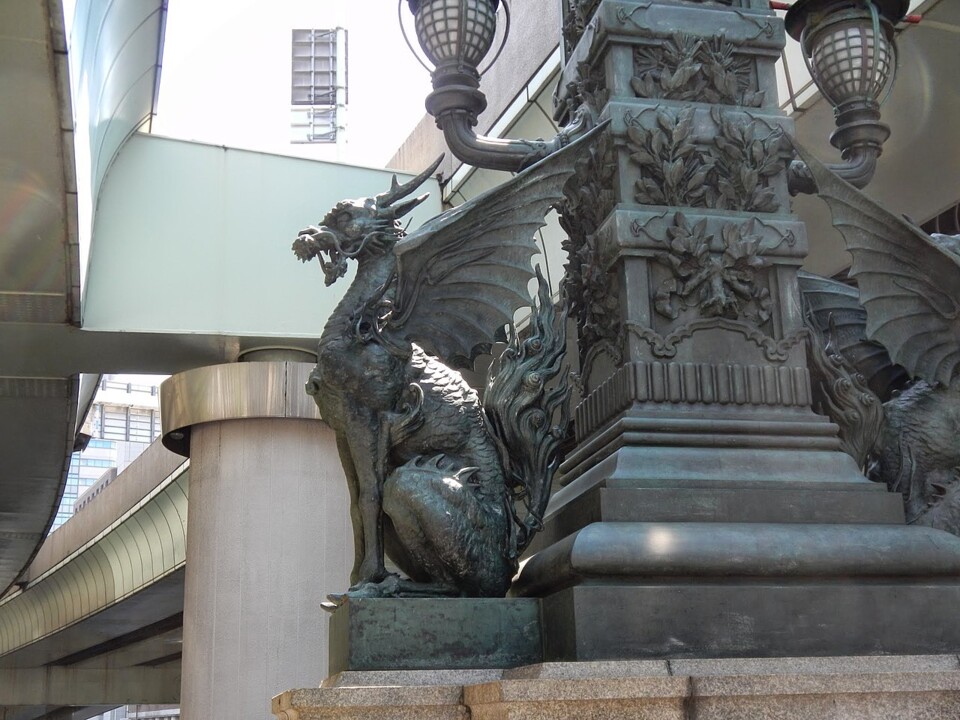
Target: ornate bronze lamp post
x=706 y=506
x=706 y=510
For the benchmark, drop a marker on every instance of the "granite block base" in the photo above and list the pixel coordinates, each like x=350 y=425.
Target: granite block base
x=838 y=688
x=372 y=703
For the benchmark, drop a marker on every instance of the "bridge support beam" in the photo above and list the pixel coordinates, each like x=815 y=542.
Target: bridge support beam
x=268 y=533
x=76 y=686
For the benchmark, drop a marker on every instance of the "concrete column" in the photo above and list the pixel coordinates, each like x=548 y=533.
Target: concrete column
x=268 y=534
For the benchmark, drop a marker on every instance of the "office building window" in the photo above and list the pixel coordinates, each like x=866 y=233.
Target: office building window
x=319 y=84
x=314 y=67
x=121 y=422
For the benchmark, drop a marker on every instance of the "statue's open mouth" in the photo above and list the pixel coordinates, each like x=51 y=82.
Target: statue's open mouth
x=324 y=244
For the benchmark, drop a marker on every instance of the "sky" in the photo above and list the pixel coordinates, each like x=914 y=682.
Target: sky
x=226 y=75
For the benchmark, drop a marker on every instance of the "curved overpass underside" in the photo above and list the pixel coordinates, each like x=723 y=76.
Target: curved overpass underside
x=43 y=350
x=99 y=616
x=39 y=275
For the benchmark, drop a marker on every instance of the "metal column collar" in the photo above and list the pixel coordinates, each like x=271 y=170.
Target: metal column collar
x=234 y=391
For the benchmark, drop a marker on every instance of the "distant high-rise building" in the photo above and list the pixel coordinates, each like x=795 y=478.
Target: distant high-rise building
x=142 y=712
x=318 y=95
x=121 y=424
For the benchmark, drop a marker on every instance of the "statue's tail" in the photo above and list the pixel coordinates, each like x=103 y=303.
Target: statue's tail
x=529 y=413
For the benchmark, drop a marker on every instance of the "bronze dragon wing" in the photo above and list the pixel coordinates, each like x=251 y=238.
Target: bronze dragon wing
x=463 y=274
x=832 y=309
x=909 y=286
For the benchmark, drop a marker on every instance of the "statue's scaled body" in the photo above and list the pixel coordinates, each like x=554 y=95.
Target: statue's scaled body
x=450 y=488
x=462 y=487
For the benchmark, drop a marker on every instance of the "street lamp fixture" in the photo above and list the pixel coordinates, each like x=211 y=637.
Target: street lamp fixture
x=848 y=46
x=456 y=36
x=849 y=49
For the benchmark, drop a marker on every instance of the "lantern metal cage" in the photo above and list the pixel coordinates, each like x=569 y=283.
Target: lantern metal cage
x=851 y=53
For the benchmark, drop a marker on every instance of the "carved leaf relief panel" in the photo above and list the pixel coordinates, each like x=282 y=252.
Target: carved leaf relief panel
x=694 y=69
x=672 y=170
x=726 y=284
x=745 y=158
x=592 y=289
x=732 y=173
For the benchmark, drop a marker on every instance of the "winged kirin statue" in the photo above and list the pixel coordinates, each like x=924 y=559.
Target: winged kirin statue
x=895 y=339
x=450 y=488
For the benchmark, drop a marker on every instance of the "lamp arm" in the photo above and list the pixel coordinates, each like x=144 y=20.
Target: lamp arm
x=497 y=154
x=858 y=168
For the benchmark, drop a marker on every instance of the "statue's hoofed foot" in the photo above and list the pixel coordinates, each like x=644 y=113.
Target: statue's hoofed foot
x=393 y=586
x=411 y=589
x=388 y=587
x=333 y=601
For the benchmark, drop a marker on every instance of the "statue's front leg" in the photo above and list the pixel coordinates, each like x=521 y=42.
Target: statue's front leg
x=350 y=472
x=367 y=447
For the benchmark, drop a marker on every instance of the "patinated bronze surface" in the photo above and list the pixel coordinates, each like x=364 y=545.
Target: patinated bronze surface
x=451 y=488
x=704 y=501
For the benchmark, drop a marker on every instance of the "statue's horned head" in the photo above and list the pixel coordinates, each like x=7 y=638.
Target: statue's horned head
x=354 y=227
